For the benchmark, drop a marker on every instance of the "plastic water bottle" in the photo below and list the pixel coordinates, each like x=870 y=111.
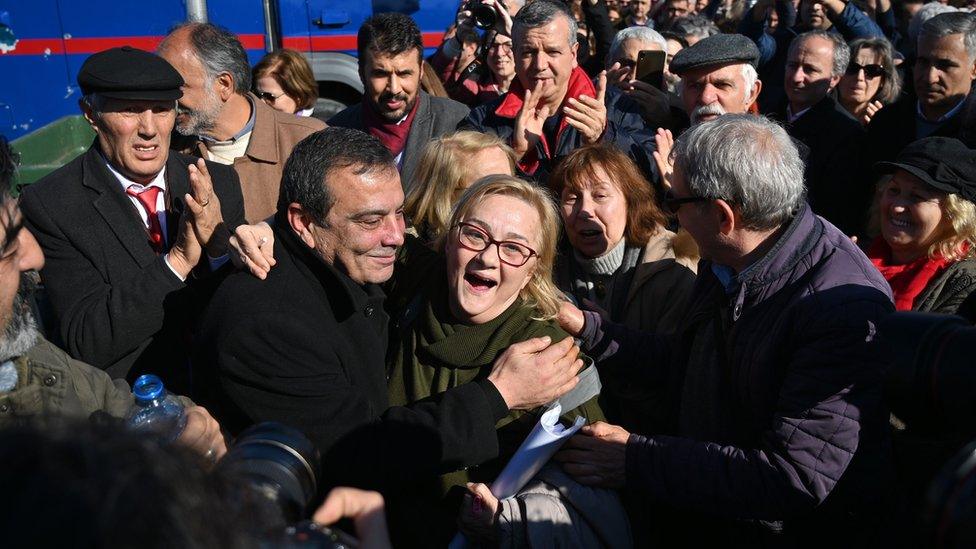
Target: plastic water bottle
x=155 y=411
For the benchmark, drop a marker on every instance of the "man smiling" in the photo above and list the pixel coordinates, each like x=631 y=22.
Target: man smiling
x=394 y=108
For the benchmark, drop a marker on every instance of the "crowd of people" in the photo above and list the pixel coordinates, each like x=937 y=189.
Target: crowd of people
x=696 y=261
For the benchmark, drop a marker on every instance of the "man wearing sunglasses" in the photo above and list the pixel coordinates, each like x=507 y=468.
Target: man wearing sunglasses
x=223 y=122
x=816 y=61
x=774 y=432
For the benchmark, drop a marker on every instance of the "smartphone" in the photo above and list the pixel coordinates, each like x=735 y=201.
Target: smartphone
x=650 y=67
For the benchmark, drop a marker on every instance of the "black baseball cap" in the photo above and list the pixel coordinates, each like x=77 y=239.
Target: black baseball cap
x=130 y=73
x=942 y=162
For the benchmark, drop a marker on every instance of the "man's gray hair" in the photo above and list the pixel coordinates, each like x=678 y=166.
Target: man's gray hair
x=747 y=160
x=842 y=53
x=643 y=34
x=924 y=13
x=696 y=25
x=219 y=51
x=539 y=14
x=946 y=24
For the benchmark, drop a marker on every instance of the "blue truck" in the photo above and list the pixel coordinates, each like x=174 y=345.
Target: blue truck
x=44 y=42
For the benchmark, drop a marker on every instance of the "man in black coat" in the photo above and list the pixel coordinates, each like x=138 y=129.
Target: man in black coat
x=306 y=346
x=945 y=68
x=395 y=109
x=816 y=61
x=123 y=225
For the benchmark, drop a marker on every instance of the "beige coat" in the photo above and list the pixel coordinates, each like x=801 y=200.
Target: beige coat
x=275 y=134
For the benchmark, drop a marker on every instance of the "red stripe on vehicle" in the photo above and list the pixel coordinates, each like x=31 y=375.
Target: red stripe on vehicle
x=42 y=46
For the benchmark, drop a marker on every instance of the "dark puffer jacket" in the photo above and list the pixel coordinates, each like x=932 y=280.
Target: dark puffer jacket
x=801 y=454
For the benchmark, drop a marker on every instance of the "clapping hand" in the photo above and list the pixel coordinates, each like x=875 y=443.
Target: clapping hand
x=589 y=114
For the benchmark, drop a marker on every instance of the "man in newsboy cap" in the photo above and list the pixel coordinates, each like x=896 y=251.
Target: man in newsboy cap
x=123 y=225
x=718 y=76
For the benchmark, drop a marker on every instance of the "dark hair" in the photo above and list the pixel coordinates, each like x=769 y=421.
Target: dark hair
x=219 y=51
x=644 y=218
x=81 y=484
x=305 y=179
x=9 y=160
x=291 y=71
x=679 y=38
x=389 y=34
x=467 y=35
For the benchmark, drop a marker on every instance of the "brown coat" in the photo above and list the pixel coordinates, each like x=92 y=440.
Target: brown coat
x=275 y=134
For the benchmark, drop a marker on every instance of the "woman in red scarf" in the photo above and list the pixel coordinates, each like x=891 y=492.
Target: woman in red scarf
x=926 y=218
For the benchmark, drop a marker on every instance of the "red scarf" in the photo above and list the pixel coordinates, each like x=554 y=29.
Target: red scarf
x=907 y=280
x=579 y=84
x=393 y=136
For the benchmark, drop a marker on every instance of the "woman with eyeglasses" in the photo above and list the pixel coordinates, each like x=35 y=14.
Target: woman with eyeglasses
x=454 y=311
x=283 y=79
x=871 y=81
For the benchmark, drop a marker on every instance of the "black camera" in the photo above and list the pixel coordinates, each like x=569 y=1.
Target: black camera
x=484 y=15
x=278 y=466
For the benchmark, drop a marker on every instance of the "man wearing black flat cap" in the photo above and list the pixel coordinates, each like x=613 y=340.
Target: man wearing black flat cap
x=126 y=225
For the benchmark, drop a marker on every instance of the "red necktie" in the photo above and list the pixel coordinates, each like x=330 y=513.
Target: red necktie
x=147 y=197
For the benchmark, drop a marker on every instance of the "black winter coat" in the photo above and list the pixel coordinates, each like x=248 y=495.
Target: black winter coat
x=306 y=347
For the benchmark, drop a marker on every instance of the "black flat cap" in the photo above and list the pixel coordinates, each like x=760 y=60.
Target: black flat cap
x=719 y=49
x=129 y=73
x=942 y=162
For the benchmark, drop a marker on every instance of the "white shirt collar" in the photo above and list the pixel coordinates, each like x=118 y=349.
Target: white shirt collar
x=158 y=181
x=790 y=117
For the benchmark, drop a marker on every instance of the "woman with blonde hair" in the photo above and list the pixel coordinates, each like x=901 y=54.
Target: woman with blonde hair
x=449 y=165
x=488 y=286
x=926 y=217
x=283 y=79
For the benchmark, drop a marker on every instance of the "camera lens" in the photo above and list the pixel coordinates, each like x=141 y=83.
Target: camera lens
x=280 y=464
x=484 y=16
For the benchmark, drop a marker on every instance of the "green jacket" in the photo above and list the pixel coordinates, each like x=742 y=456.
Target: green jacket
x=52 y=385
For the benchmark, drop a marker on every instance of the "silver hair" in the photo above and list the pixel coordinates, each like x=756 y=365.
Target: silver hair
x=219 y=51
x=749 y=76
x=747 y=160
x=21 y=333
x=946 y=24
x=696 y=25
x=643 y=34
x=924 y=13
x=842 y=54
x=540 y=13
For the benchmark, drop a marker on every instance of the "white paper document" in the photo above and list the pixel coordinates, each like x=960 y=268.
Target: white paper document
x=546 y=437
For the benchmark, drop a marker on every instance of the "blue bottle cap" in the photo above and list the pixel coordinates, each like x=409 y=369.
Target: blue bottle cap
x=148 y=387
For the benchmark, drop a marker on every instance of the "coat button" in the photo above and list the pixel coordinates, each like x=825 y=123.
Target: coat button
x=368 y=311
x=50 y=380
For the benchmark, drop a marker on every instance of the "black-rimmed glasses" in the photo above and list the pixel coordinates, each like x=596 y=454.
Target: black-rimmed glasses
x=476 y=239
x=672 y=204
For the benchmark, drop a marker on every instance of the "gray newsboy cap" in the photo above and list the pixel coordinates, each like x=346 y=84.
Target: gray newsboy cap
x=720 y=49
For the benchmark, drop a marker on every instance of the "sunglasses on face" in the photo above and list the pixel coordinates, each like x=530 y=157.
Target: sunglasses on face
x=870 y=71
x=268 y=96
x=672 y=204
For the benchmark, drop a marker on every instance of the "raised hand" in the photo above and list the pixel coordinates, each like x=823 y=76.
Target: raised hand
x=662 y=156
x=589 y=114
x=872 y=109
x=252 y=248
x=618 y=75
x=204 y=207
x=654 y=103
x=529 y=121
